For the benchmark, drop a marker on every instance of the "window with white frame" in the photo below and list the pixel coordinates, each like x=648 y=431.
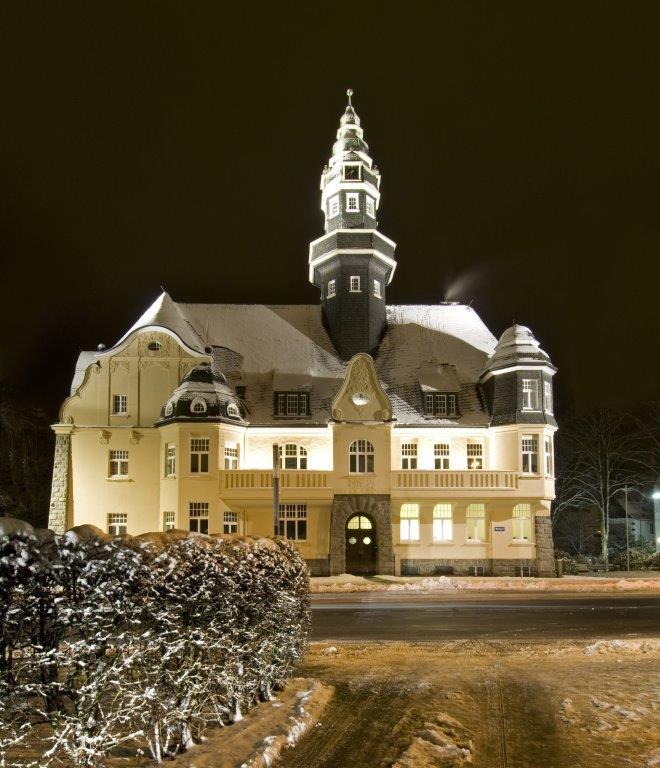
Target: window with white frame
x=118 y=464
x=117 y=523
x=333 y=209
x=170 y=460
x=530 y=395
x=231 y=455
x=361 y=457
x=549 y=457
x=409 y=522
x=169 y=520
x=475 y=455
x=293 y=456
x=292 y=404
x=530 y=454
x=547 y=397
x=371 y=207
x=198 y=513
x=293 y=521
x=119 y=405
x=475 y=520
x=441 y=404
x=353 y=202
x=230 y=522
x=355 y=284
x=442 y=523
x=332 y=288
x=408 y=455
x=199 y=455
x=441 y=455
x=233 y=411
x=522 y=522
x=377 y=292
x=198 y=405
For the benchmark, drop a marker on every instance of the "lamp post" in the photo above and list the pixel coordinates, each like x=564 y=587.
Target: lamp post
x=276 y=490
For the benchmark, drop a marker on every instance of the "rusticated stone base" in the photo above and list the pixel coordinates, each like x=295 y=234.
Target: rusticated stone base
x=319 y=566
x=545 y=549
x=377 y=506
x=468 y=567
x=57 y=521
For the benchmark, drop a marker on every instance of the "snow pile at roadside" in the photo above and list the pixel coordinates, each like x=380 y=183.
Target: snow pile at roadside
x=622 y=647
x=439 y=743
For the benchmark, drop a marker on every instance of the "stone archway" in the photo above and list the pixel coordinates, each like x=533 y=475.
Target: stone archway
x=376 y=506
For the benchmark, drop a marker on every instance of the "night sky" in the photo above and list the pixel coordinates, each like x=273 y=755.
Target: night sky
x=148 y=144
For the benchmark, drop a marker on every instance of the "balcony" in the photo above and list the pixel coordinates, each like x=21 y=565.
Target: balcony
x=445 y=479
x=262 y=479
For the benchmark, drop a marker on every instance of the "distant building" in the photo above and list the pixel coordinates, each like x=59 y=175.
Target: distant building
x=410 y=439
x=640 y=523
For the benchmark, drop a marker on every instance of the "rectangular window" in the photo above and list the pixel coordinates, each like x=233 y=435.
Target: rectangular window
x=355 y=284
x=292 y=404
x=118 y=465
x=230 y=522
x=377 y=292
x=353 y=202
x=522 y=521
x=170 y=460
x=442 y=523
x=549 y=458
x=408 y=455
x=409 y=522
x=441 y=455
x=231 y=455
x=117 y=523
x=441 y=404
x=199 y=516
x=169 y=521
x=332 y=288
x=475 y=455
x=530 y=454
x=293 y=521
x=119 y=404
x=530 y=395
x=371 y=207
x=199 y=455
x=547 y=397
x=334 y=207
x=475 y=519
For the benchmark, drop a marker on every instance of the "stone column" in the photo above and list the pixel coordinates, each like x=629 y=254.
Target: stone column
x=59 y=494
x=545 y=550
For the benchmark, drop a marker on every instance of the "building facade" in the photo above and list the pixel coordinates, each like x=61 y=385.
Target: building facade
x=409 y=439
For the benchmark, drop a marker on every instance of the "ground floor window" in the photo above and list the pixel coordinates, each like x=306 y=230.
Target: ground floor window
x=117 y=523
x=409 y=522
x=293 y=521
x=230 y=522
x=441 y=455
x=199 y=516
x=522 y=521
x=442 y=523
x=169 y=521
x=476 y=522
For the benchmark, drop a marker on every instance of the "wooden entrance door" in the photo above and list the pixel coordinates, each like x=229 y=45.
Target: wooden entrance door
x=361 y=546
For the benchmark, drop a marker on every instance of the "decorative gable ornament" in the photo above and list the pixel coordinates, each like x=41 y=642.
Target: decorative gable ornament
x=361 y=397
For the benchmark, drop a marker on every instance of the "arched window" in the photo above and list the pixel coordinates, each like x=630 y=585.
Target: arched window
x=198 y=406
x=361 y=457
x=169 y=409
x=233 y=411
x=293 y=456
x=359 y=523
x=522 y=521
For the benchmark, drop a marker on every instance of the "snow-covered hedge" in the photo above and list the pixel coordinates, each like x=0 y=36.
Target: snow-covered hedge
x=141 y=642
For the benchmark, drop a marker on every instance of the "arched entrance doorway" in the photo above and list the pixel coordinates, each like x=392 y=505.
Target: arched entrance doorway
x=361 y=545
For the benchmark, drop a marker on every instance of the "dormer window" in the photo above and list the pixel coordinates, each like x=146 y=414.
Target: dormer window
x=377 y=291
x=353 y=202
x=198 y=406
x=233 y=411
x=332 y=288
x=547 y=397
x=169 y=409
x=355 y=284
x=441 y=404
x=352 y=172
x=292 y=404
x=334 y=207
x=371 y=207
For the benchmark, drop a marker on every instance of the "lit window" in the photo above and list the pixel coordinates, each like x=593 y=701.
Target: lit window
x=199 y=455
x=170 y=460
x=352 y=172
x=233 y=411
x=353 y=202
x=293 y=521
x=117 y=523
x=475 y=455
x=355 y=283
x=530 y=395
x=199 y=516
x=441 y=404
x=361 y=457
x=231 y=455
x=169 y=521
x=377 y=292
x=475 y=519
x=522 y=521
x=334 y=206
x=230 y=522
x=198 y=406
x=118 y=464
x=409 y=522
x=441 y=455
x=530 y=454
x=119 y=404
x=549 y=458
x=547 y=397
x=408 y=455
x=442 y=523
x=332 y=288
x=371 y=207
x=293 y=457
x=359 y=522
x=292 y=404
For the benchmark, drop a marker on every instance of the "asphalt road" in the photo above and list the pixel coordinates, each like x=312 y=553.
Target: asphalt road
x=384 y=616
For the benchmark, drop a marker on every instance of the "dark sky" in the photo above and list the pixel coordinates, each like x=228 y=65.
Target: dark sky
x=180 y=144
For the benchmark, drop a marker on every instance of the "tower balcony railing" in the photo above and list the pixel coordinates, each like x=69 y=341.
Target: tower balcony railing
x=454 y=479
x=256 y=479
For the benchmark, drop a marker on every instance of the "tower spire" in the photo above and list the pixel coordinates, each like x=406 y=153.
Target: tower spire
x=349 y=93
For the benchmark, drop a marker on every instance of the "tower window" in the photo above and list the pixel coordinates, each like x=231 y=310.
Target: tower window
x=233 y=411
x=530 y=395
x=198 y=406
x=549 y=457
x=119 y=404
x=334 y=206
x=352 y=172
x=355 y=284
x=231 y=455
x=170 y=460
x=353 y=202
x=199 y=516
x=530 y=454
x=475 y=455
x=199 y=455
x=371 y=207
x=332 y=288
x=377 y=292
x=361 y=457
x=547 y=397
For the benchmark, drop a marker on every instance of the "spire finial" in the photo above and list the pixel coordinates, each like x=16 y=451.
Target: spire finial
x=349 y=93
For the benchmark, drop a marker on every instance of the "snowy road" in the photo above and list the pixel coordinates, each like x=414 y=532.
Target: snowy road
x=378 y=616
